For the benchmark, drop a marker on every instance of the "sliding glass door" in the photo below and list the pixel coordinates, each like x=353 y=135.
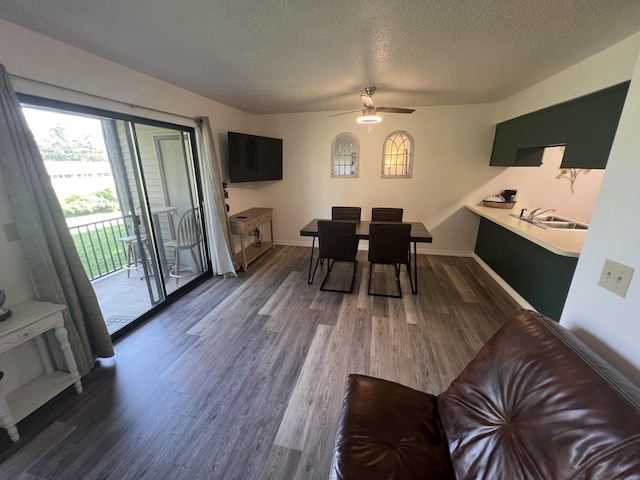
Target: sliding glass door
x=129 y=189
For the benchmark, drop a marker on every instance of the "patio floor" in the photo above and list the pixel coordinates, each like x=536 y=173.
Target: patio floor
x=123 y=299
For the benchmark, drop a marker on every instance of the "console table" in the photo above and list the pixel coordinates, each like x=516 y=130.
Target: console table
x=31 y=319
x=246 y=222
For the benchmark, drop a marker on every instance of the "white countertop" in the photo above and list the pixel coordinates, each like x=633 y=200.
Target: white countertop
x=561 y=242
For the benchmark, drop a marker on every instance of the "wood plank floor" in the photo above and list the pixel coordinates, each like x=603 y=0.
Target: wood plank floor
x=243 y=378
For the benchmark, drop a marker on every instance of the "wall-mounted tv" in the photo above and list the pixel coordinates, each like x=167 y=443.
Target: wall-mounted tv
x=253 y=158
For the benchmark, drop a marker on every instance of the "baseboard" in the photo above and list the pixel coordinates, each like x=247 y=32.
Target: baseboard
x=505 y=286
x=452 y=253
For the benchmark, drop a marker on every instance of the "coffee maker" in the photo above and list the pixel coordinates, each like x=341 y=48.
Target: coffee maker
x=509 y=195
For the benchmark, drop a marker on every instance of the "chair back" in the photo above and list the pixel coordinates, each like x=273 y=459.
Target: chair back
x=379 y=214
x=188 y=233
x=337 y=240
x=389 y=242
x=346 y=213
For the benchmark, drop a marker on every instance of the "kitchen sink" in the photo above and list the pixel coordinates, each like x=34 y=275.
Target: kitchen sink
x=551 y=218
x=553 y=222
x=562 y=225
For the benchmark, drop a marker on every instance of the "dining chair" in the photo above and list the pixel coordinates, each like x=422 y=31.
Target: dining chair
x=379 y=214
x=336 y=242
x=188 y=237
x=346 y=213
x=389 y=243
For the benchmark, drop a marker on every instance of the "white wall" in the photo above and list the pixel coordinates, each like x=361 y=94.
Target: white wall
x=541 y=187
x=603 y=320
x=606 y=321
x=451 y=168
x=27 y=54
x=453 y=146
x=609 y=67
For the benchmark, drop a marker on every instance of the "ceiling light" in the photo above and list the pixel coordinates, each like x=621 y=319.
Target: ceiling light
x=369 y=119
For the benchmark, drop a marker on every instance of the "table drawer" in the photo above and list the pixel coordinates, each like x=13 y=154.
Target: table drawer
x=266 y=217
x=26 y=333
x=250 y=224
x=256 y=222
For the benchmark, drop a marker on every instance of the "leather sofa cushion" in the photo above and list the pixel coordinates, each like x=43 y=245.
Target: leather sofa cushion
x=389 y=431
x=536 y=403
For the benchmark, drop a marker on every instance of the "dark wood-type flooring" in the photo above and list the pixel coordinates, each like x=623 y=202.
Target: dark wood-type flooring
x=243 y=377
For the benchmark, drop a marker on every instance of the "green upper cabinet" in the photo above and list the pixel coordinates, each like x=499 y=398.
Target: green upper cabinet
x=585 y=125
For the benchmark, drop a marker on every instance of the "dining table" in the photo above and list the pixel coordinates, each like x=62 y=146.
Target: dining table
x=419 y=234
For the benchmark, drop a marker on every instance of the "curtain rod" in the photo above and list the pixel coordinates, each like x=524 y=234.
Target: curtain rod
x=100 y=97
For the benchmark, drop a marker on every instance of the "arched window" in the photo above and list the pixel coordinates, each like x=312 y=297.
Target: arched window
x=397 y=155
x=345 y=151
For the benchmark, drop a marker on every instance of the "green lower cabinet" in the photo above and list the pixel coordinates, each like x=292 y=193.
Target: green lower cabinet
x=541 y=277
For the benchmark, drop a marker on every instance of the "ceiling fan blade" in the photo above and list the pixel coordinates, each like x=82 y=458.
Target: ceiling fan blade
x=395 y=110
x=344 y=113
x=367 y=101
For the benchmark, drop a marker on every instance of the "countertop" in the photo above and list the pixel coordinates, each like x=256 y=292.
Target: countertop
x=567 y=243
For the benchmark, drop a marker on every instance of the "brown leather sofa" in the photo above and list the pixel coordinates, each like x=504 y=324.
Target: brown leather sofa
x=535 y=403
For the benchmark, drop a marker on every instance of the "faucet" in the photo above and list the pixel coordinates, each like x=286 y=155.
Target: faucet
x=532 y=216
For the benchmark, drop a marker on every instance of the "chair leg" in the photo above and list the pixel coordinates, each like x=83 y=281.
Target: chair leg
x=132 y=257
x=324 y=280
x=196 y=263
x=135 y=256
x=176 y=266
x=369 y=292
x=129 y=251
x=353 y=277
x=329 y=265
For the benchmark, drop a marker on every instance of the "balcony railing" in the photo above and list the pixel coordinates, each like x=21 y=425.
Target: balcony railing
x=99 y=246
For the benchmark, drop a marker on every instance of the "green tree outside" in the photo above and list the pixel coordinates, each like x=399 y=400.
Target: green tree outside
x=60 y=147
x=103 y=201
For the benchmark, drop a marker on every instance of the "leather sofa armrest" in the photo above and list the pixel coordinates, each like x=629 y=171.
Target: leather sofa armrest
x=389 y=431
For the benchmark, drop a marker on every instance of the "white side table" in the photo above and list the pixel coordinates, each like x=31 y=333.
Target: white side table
x=31 y=319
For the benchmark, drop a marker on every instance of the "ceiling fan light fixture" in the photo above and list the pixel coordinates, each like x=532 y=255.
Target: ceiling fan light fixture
x=368 y=119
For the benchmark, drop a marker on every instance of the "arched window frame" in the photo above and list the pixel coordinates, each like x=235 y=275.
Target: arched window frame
x=345 y=156
x=391 y=154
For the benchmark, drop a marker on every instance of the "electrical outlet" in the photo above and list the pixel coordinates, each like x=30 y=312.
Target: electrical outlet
x=615 y=277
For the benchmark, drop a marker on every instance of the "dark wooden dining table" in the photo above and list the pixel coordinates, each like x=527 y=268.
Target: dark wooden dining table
x=419 y=234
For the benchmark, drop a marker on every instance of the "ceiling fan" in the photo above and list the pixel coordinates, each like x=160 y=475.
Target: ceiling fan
x=370 y=111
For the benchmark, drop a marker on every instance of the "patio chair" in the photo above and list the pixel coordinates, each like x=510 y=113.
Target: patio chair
x=131 y=246
x=188 y=237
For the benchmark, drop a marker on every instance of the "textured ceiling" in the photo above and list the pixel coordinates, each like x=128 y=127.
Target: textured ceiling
x=278 y=56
